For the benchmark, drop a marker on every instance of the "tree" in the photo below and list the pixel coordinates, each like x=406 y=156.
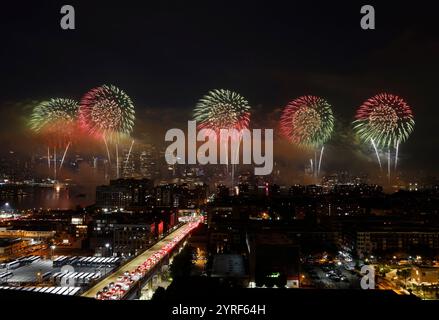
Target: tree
x=182 y=263
x=159 y=294
x=383 y=270
x=404 y=273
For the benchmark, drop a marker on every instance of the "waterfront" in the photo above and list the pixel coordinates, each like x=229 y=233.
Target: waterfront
x=26 y=197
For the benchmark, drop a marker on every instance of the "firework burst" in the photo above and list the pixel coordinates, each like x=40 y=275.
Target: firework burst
x=307 y=121
x=108 y=112
x=55 y=120
x=385 y=120
x=222 y=109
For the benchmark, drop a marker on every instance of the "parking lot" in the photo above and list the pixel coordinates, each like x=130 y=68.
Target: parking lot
x=332 y=276
x=28 y=273
x=43 y=271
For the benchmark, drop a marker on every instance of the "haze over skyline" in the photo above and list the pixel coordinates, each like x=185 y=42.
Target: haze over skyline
x=167 y=56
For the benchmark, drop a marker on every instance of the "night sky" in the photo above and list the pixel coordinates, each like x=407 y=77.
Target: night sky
x=167 y=55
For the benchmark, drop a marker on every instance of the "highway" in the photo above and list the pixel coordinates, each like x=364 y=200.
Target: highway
x=135 y=262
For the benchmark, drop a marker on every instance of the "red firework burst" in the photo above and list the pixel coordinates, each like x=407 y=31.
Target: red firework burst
x=385 y=119
x=307 y=121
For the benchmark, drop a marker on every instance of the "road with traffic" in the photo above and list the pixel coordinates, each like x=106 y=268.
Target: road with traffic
x=148 y=255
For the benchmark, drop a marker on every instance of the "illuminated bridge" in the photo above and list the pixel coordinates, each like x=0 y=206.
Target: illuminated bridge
x=127 y=281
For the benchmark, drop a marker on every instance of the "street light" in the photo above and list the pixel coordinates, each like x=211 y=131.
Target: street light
x=107 y=245
x=52 y=247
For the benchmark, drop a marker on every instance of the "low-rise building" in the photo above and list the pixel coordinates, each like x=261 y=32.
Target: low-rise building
x=9 y=247
x=131 y=239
